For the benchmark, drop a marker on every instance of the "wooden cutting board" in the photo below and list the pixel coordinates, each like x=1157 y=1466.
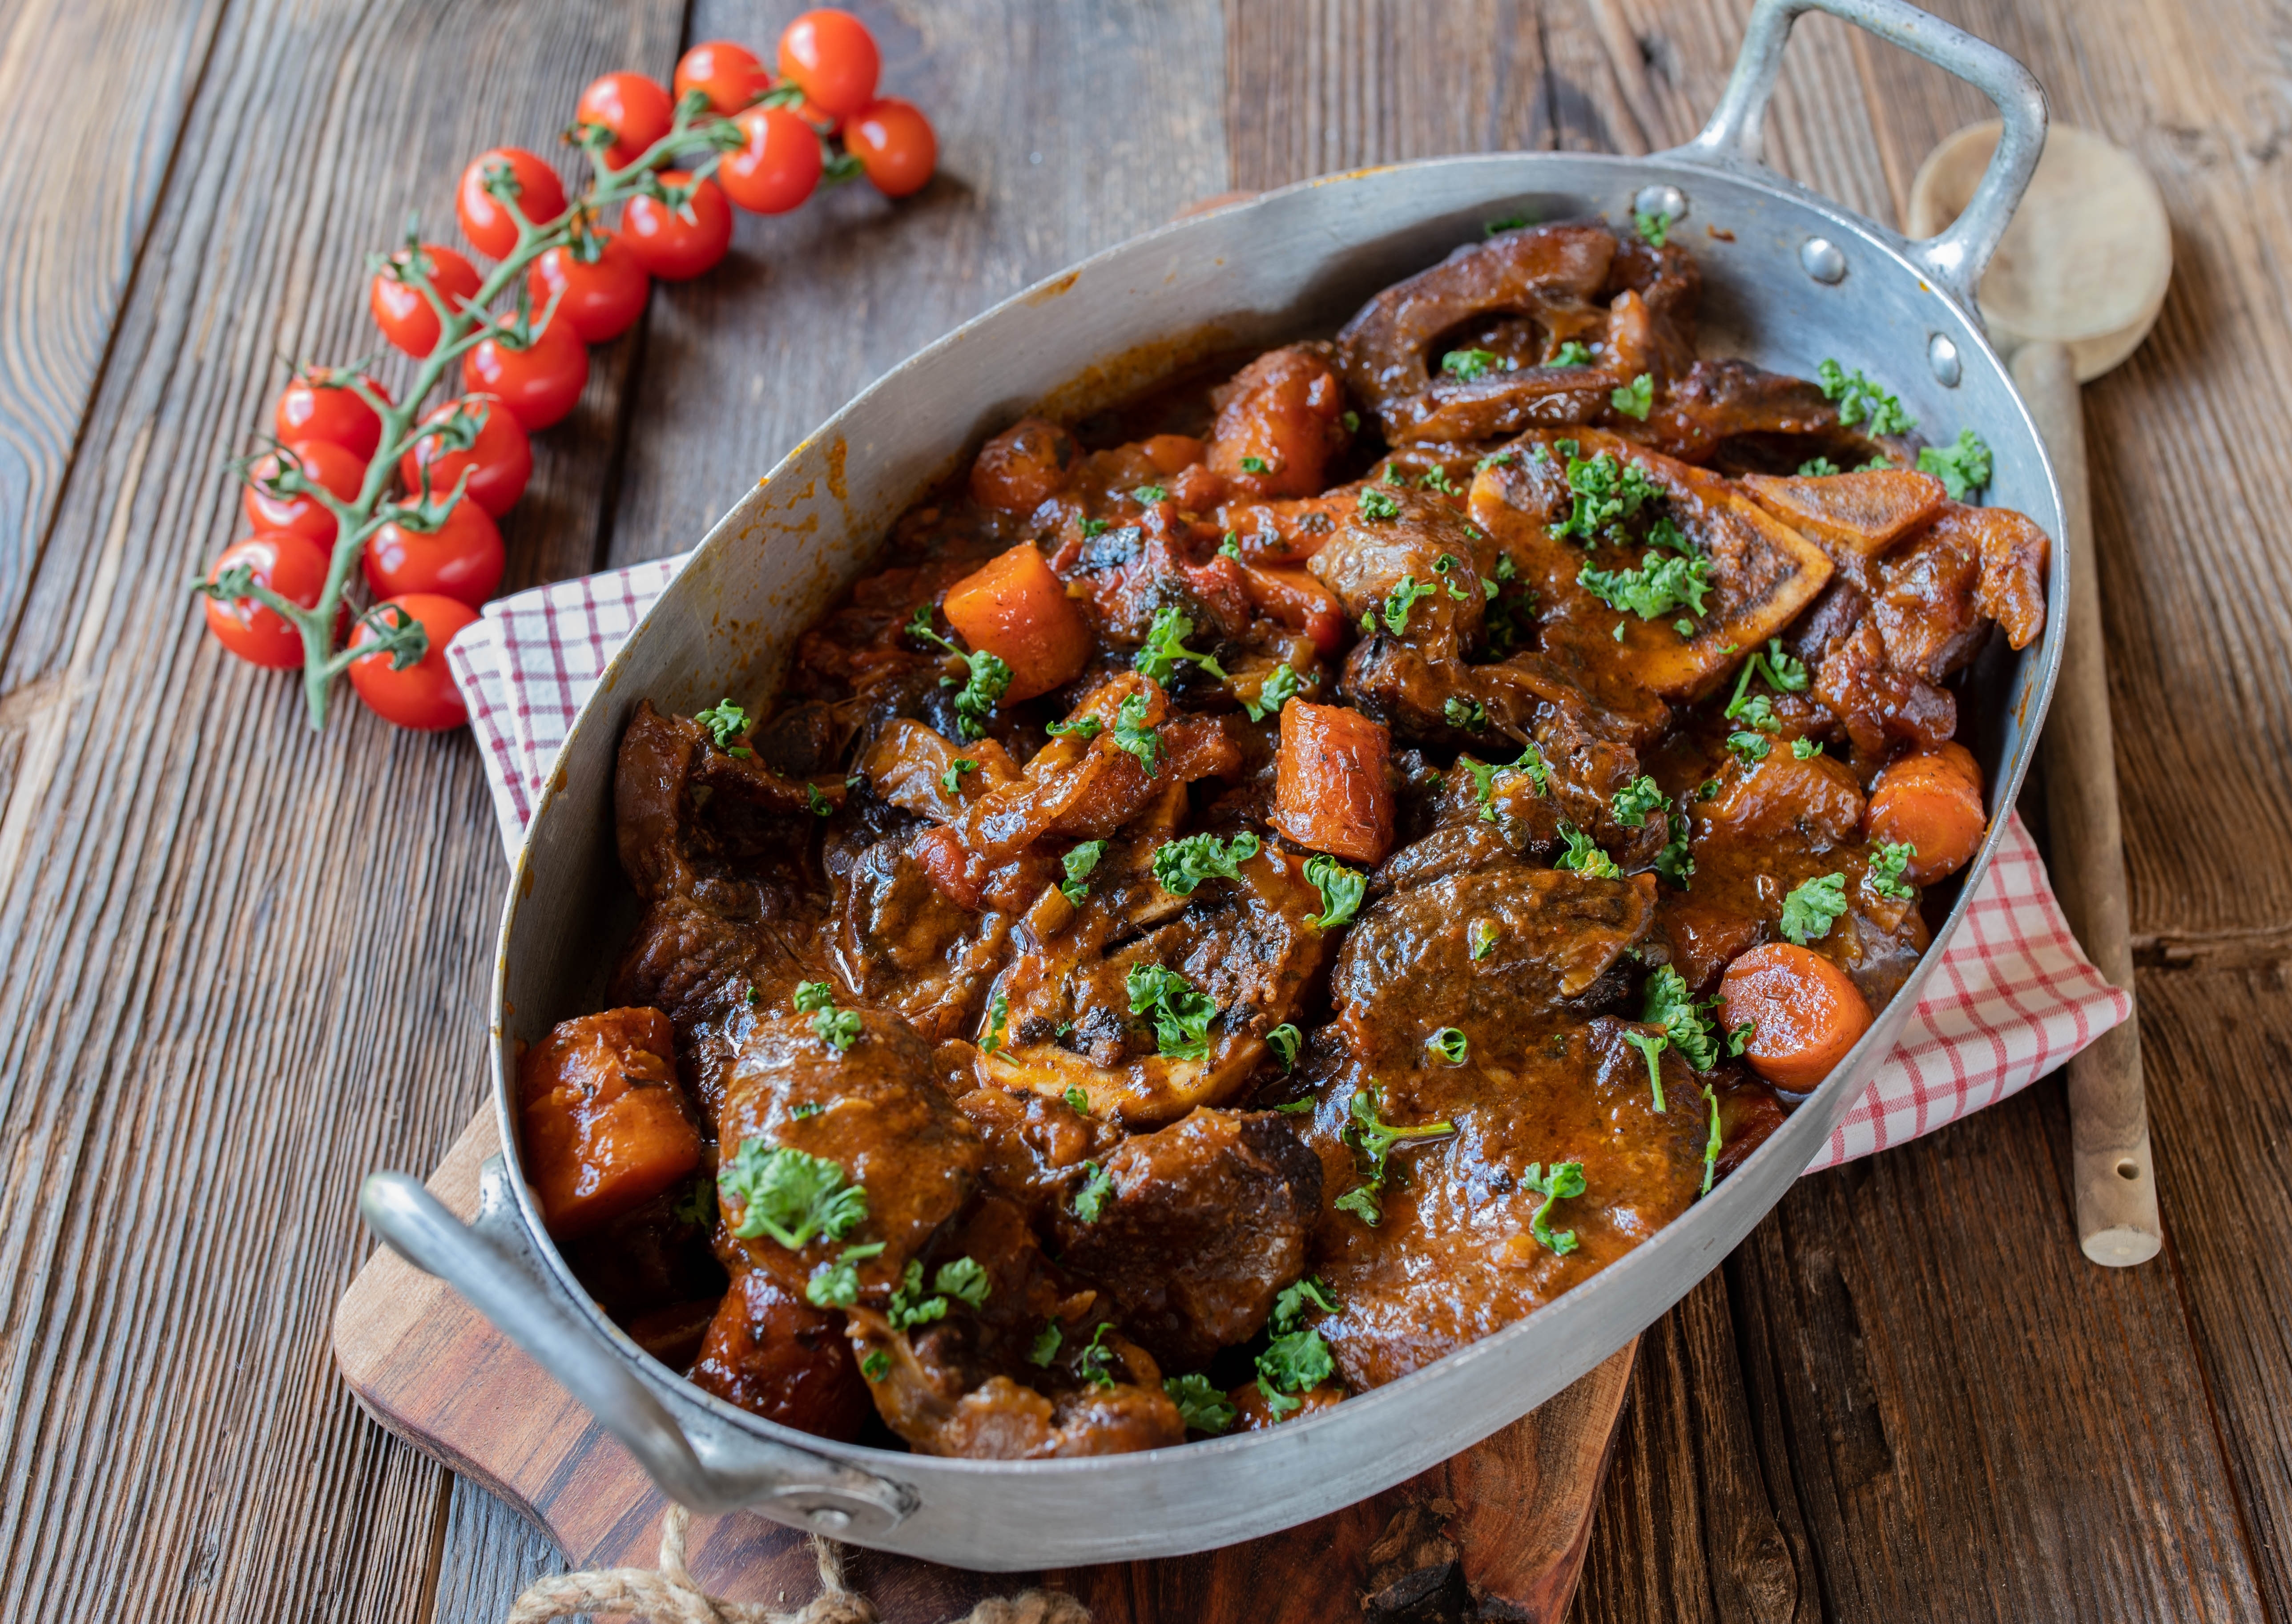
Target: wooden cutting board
x=1496 y=1533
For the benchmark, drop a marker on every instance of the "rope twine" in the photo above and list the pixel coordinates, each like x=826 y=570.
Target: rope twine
x=670 y=1594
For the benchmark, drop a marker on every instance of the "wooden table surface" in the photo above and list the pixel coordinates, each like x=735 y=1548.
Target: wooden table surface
x=242 y=966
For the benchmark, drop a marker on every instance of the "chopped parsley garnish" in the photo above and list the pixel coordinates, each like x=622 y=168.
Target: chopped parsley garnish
x=1817 y=467
x=1570 y=354
x=1132 y=732
x=1182 y=1015
x=1092 y=528
x=1564 y=1182
x=1676 y=861
x=1664 y=583
x=1182 y=865
x=838 y=1028
x=1045 y=1346
x=1352 y=420
x=1636 y=398
x=1450 y=1045
x=1653 y=228
x=1805 y=749
x=1711 y=1146
x=1750 y=749
x=1406 y=593
x=1782 y=672
x=1460 y=711
x=1148 y=495
x=877 y=1366
x=808 y=1109
x=1342 y=890
x=837 y=1284
x=820 y=805
x=1367 y=1131
x=1888 y=858
x=1077 y=1099
x=1470 y=366
x=1277 y=691
x=1811 y=909
x=951 y=781
x=1585 y=857
x=725 y=721
x=987 y=680
x=1200 y=1405
x=1165 y=649
x=1604 y=492
x=1295 y=1359
x=962 y=1280
x=1651 y=1045
x=1095 y=1363
x=1253 y=464
x=1094 y=1194
x=1963 y=468
x=696 y=1203
x=998 y=1025
x=1510 y=222
x=1685 y=1021
x=1436 y=478
x=1480 y=938
x=1230 y=547
x=1085 y=728
x=1635 y=800
x=1484 y=776
x=1079 y=864
x=1859 y=400
x=1375 y=504
x=790 y=1195
x=1284 y=1040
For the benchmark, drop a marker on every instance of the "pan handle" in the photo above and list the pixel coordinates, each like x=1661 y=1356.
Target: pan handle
x=1954 y=259
x=492 y=1263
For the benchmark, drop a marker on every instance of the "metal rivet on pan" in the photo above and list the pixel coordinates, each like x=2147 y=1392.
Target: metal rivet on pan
x=828 y=1519
x=1942 y=354
x=1823 y=261
x=1667 y=201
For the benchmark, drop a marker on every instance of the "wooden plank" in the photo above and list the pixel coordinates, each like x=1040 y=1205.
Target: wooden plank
x=81 y=174
x=1063 y=130
x=423 y=1363
x=241 y=963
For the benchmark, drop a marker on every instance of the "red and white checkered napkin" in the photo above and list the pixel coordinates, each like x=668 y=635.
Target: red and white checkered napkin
x=2014 y=998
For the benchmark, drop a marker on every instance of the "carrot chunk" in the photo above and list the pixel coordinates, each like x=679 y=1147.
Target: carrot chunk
x=1330 y=789
x=1016 y=610
x=1804 y=1012
x=605 y=1128
x=1931 y=802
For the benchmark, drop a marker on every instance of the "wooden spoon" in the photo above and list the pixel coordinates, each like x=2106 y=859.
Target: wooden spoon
x=2075 y=287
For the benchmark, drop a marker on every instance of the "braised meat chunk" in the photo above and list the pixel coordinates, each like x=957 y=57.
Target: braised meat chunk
x=1265 y=884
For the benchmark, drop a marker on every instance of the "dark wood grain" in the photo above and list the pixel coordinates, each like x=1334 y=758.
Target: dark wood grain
x=239 y=960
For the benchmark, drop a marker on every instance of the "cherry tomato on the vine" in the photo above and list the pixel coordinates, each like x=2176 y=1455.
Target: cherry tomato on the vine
x=461 y=558
x=831 y=57
x=422 y=696
x=292 y=566
x=730 y=75
x=777 y=168
x=324 y=462
x=678 y=243
x=633 y=107
x=894 y=144
x=539 y=378
x=404 y=316
x=492 y=229
x=316 y=405
x=599 y=284
x=500 y=462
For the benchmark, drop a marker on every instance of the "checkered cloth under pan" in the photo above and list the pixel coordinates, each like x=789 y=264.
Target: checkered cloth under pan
x=2014 y=998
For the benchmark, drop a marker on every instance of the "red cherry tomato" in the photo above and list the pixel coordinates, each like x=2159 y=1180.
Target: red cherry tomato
x=779 y=168
x=730 y=75
x=292 y=566
x=540 y=381
x=400 y=309
x=492 y=229
x=422 y=696
x=894 y=145
x=633 y=107
x=461 y=558
x=674 y=247
x=500 y=462
x=831 y=57
x=600 y=297
x=324 y=462
x=317 y=406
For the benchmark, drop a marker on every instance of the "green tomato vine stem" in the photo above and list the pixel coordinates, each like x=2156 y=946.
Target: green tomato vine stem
x=459 y=331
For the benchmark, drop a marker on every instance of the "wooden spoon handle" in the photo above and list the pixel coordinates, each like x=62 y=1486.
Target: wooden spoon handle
x=2109 y=1122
